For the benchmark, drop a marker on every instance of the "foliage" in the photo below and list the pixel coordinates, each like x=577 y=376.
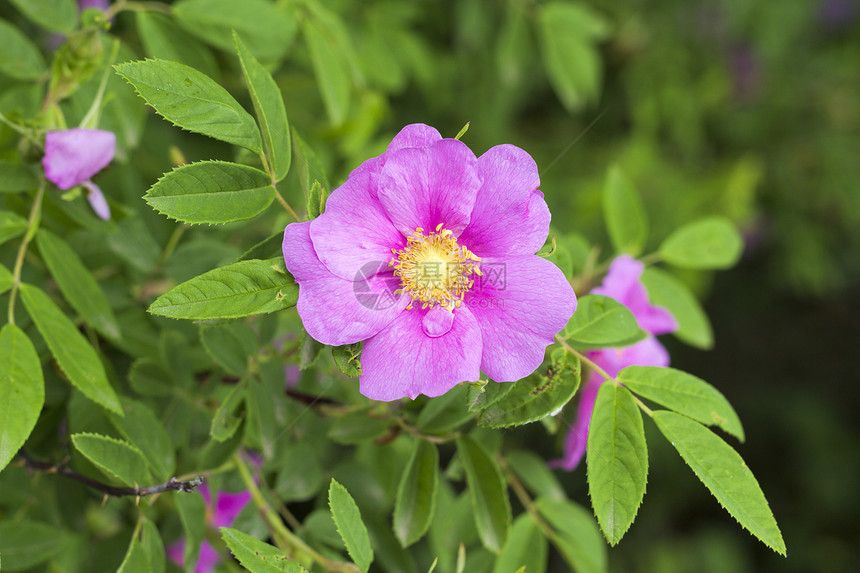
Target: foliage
x=165 y=342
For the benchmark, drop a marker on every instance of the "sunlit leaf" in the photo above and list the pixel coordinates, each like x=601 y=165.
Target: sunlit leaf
x=257 y=556
x=191 y=100
x=724 y=473
x=600 y=322
x=116 y=458
x=22 y=391
x=617 y=460
x=709 y=243
x=683 y=393
x=234 y=291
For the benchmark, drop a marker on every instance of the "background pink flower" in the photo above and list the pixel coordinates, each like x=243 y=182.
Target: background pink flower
x=622 y=284
x=442 y=243
x=220 y=512
x=72 y=156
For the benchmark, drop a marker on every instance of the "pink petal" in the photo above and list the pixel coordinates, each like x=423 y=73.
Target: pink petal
x=413 y=135
x=622 y=282
x=423 y=187
x=334 y=310
x=577 y=436
x=520 y=303
x=176 y=552
x=510 y=214
x=403 y=361
x=355 y=229
x=102 y=5
x=208 y=559
x=97 y=200
x=228 y=506
x=74 y=155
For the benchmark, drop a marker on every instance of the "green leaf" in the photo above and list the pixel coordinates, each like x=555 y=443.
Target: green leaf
x=269 y=108
x=348 y=358
x=77 y=284
x=527 y=548
x=624 y=214
x=357 y=428
x=601 y=322
x=724 y=473
x=665 y=290
x=115 y=458
x=11 y=226
x=22 y=391
x=234 y=291
x=53 y=15
x=226 y=422
x=164 y=40
x=330 y=69
x=21 y=58
x=568 y=33
x=300 y=476
x=577 y=537
x=534 y=473
x=230 y=345
x=487 y=491
x=6 y=279
x=192 y=100
x=308 y=164
x=256 y=555
x=617 y=460
x=709 y=243
x=74 y=354
x=136 y=560
x=211 y=192
x=261 y=410
x=351 y=528
x=14 y=177
x=148 y=378
x=141 y=427
x=192 y=513
x=416 y=494
x=25 y=544
x=268 y=248
x=268 y=30
x=683 y=393
x=444 y=413
x=536 y=396
x=316 y=200
x=153 y=546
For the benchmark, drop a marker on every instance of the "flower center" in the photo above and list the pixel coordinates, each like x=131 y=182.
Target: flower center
x=434 y=269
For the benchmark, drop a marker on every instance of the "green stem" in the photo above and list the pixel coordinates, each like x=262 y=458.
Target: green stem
x=594 y=366
x=32 y=226
x=525 y=499
x=121 y=5
x=285 y=539
x=278 y=196
x=173 y=242
x=584 y=359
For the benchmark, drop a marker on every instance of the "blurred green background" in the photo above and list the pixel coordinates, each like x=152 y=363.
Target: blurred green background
x=750 y=109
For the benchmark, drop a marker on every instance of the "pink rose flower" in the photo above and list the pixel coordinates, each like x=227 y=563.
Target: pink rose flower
x=427 y=254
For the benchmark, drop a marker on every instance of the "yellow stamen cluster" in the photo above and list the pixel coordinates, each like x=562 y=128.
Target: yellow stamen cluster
x=434 y=269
